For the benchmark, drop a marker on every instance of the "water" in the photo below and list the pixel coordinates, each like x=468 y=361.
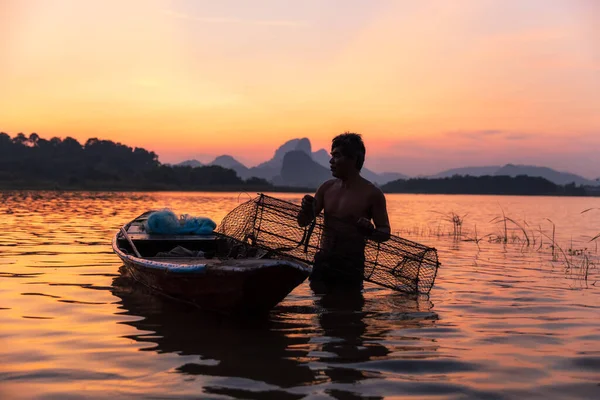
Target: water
x=504 y=320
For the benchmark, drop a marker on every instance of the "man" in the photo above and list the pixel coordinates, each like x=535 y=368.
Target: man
x=349 y=202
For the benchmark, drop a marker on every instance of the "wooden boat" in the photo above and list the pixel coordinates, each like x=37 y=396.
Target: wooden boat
x=212 y=271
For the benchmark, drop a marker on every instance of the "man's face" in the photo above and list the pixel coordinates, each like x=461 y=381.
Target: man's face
x=340 y=165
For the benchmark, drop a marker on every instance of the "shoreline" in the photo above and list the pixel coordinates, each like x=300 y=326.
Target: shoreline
x=254 y=189
x=215 y=189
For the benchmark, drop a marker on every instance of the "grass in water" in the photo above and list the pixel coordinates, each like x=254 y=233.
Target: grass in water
x=503 y=236
x=590 y=209
x=578 y=263
x=476 y=239
x=456 y=221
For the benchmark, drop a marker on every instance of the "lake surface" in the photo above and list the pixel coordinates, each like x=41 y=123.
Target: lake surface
x=505 y=319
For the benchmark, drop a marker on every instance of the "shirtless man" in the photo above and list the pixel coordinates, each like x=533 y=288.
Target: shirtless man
x=349 y=202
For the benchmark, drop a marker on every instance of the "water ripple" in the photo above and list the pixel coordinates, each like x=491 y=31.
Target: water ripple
x=504 y=321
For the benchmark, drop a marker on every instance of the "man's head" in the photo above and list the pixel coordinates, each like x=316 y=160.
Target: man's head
x=347 y=154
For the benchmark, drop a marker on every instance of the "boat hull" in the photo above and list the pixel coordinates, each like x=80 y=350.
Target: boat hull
x=221 y=284
x=250 y=288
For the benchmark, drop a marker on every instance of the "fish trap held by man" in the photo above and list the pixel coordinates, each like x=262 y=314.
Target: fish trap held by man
x=271 y=224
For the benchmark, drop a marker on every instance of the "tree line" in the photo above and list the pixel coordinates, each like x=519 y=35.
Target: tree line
x=36 y=163
x=497 y=185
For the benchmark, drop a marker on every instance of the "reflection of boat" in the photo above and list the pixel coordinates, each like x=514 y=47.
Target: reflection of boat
x=256 y=349
x=209 y=271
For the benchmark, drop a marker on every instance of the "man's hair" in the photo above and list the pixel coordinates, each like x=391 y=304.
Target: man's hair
x=351 y=145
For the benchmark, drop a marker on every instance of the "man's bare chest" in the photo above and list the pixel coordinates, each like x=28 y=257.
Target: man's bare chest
x=346 y=204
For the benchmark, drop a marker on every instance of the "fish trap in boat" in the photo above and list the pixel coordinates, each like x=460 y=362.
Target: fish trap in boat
x=271 y=224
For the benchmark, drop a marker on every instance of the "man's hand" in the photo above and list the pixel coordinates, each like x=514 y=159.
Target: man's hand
x=308 y=206
x=307 y=210
x=365 y=226
x=381 y=234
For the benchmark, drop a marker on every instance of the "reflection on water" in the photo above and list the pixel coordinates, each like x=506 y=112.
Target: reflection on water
x=255 y=350
x=282 y=353
x=503 y=320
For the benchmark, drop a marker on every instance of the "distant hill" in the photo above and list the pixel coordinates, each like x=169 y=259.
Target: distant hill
x=272 y=168
x=486 y=184
x=472 y=171
x=298 y=169
x=265 y=172
x=190 y=163
x=557 y=177
x=560 y=178
x=302 y=144
x=227 y=161
x=381 y=179
x=386 y=177
x=322 y=157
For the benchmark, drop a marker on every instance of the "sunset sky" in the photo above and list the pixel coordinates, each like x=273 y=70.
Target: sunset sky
x=430 y=85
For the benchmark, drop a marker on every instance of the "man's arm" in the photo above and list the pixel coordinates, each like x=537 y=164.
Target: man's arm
x=380 y=217
x=312 y=206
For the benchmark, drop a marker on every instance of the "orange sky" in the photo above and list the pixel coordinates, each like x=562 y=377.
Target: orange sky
x=430 y=84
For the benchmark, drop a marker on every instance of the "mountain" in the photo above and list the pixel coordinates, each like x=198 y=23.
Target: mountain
x=227 y=161
x=264 y=172
x=322 y=157
x=560 y=178
x=557 y=177
x=301 y=170
x=381 y=179
x=298 y=169
x=302 y=144
x=386 y=177
x=189 y=163
x=472 y=171
x=272 y=168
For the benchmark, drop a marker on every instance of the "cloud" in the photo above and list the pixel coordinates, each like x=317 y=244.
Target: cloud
x=230 y=20
x=518 y=136
x=478 y=134
x=490 y=134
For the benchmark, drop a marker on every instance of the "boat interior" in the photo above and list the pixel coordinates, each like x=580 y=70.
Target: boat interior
x=158 y=246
